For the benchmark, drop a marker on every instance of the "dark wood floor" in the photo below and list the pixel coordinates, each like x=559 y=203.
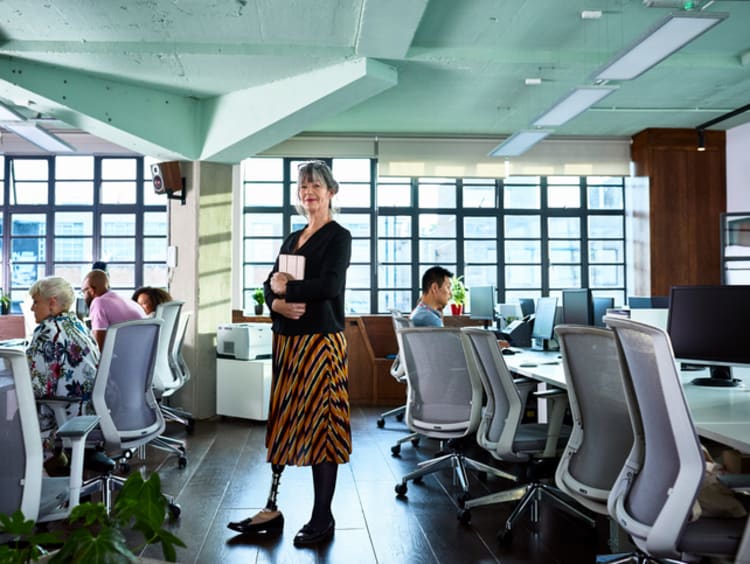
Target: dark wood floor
x=227 y=479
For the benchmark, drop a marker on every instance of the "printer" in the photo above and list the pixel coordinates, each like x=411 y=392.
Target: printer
x=244 y=341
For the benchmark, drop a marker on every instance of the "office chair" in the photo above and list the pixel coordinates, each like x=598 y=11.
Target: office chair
x=654 y=494
x=22 y=482
x=444 y=399
x=602 y=436
x=182 y=375
x=397 y=370
x=510 y=440
x=123 y=397
x=167 y=376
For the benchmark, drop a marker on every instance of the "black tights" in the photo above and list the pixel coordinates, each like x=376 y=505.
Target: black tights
x=324 y=484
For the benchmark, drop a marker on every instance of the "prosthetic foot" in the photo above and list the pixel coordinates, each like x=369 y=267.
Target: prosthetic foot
x=268 y=520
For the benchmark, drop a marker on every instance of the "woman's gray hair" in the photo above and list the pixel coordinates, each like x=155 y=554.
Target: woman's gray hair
x=54 y=287
x=315 y=171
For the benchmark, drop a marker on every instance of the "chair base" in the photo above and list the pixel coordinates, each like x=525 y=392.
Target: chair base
x=459 y=463
x=397 y=412
x=529 y=495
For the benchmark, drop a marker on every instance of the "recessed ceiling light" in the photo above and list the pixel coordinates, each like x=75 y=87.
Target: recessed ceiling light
x=532 y=81
x=591 y=14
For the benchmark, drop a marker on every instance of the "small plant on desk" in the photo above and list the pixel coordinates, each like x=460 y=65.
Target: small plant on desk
x=259 y=298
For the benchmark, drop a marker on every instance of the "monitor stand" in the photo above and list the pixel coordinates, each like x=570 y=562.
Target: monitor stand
x=721 y=377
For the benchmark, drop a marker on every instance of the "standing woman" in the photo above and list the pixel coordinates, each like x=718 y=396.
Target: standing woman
x=308 y=423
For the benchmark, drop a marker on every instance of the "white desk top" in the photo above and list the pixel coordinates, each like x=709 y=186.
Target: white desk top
x=719 y=414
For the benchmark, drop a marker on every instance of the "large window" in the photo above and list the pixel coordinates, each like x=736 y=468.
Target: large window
x=528 y=236
x=63 y=213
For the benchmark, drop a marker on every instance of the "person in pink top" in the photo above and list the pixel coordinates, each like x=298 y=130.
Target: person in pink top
x=106 y=307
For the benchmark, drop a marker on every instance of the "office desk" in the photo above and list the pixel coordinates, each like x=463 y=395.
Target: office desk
x=719 y=414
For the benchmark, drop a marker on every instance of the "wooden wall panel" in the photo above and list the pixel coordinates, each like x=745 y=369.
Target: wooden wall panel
x=687 y=196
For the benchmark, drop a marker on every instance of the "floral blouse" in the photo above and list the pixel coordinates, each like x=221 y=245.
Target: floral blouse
x=63 y=358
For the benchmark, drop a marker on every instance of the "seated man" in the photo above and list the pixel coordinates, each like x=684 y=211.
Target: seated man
x=106 y=307
x=436 y=293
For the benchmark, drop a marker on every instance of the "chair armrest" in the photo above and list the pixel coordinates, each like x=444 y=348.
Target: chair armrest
x=78 y=426
x=76 y=429
x=59 y=406
x=523 y=380
x=559 y=399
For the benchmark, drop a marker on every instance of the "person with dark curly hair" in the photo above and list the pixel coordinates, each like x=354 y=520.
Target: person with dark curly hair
x=149 y=297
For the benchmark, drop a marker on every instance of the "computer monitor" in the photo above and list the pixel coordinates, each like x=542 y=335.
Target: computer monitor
x=648 y=302
x=82 y=310
x=482 y=303
x=707 y=326
x=577 y=306
x=601 y=305
x=544 y=321
x=527 y=306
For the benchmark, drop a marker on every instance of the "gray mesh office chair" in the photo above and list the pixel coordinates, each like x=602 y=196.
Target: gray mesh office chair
x=444 y=398
x=22 y=482
x=653 y=496
x=123 y=395
x=397 y=370
x=510 y=440
x=182 y=376
x=167 y=376
x=602 y=436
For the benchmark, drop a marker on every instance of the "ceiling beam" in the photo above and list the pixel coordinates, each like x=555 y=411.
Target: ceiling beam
x=246 y=122
x=387 y=27
x=143 y=119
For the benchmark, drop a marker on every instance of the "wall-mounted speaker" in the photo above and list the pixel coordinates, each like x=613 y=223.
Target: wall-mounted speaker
x=167 y=179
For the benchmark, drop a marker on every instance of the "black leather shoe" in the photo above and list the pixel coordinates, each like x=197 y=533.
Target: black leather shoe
x=307 y=536
x=246 y=526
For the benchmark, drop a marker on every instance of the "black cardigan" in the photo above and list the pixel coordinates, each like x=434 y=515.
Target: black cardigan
x=327 y=254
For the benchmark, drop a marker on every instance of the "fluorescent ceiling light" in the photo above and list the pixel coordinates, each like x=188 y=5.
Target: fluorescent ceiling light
x=519 y=143
x=675 y=31
x=39 y=137
x=9 y=114
x=573 y=104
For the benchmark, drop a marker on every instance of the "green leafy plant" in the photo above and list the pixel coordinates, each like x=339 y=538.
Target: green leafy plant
x=97 y=536
x=4 y=302
x=458 y=290
x=259 y=296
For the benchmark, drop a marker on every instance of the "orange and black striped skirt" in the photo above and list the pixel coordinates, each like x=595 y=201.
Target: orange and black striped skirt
x=308 y=419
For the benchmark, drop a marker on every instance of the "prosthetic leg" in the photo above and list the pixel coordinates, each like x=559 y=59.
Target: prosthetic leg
x=268 y=520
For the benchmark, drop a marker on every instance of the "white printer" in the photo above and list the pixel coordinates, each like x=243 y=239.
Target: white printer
x=244 y=341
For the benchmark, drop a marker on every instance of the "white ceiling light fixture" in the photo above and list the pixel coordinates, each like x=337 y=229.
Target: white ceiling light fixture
x=39 y=137
x=573 y=104
x=670 y=35
x=591 y=14
x=519 y=143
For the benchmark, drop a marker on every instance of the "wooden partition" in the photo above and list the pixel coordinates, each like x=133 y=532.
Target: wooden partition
x=12 y=327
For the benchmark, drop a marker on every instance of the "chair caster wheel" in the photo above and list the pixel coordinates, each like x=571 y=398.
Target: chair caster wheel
x=415 y=441
x=464 y=516
x=400 y=417
x=505 y=537
x=461 y=499
x=381 y=423
x=174 y=510
x=396 y=450
x=401 y=489
x=190 y=427
x=182 y=462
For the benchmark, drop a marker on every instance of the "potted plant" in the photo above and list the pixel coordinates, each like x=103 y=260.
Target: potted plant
x=4 y=303
x=95 y=535
x=458 y=299
x=259 y=298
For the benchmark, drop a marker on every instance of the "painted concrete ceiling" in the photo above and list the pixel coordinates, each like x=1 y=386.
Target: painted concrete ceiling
x=222 y=80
